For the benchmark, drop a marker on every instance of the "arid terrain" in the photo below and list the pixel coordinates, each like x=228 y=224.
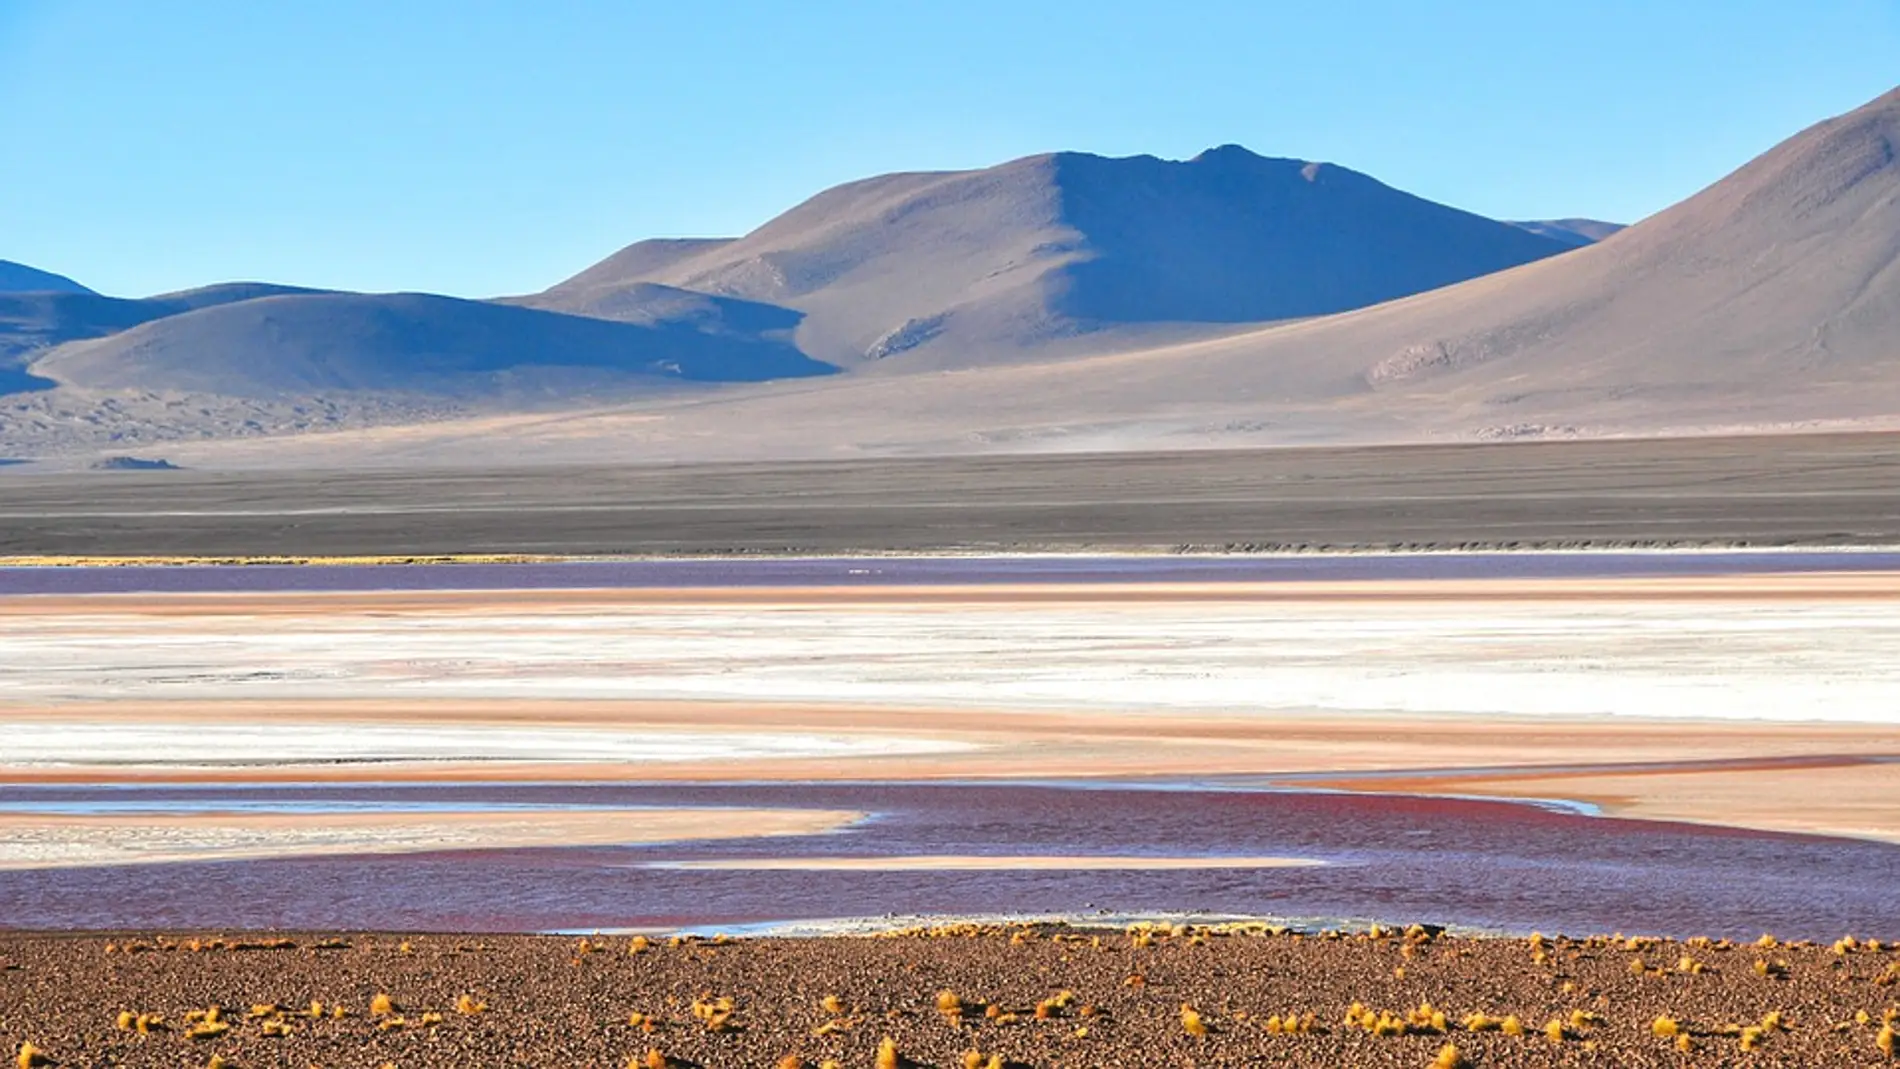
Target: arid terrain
x=1792 y=490
x=1030 y=996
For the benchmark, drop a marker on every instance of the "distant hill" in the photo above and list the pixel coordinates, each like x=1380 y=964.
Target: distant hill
x=1056 y=253
x=35 y=321
x=1571 y=231
x=1059 y=302
x=19 y=278
x=294 y=344
x=1768 y=301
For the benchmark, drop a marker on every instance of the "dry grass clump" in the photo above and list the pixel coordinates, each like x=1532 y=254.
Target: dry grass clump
x=467 y=1006
x=1665 y=1027
x=1884 y=1040
x=382 y=1005
x=1293 y=1024
x=32 y=1056
x=833 y=1005
x=1191 y=1021
x=1450 y=1057
x=950 y=1004
x=887 y=1056
x=1055 y=1005
x=716 y=1013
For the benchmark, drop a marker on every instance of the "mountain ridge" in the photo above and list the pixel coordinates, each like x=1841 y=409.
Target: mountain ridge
x=988 y=263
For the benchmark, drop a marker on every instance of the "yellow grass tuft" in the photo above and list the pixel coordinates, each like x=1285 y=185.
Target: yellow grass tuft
x=655 y=1059
x=639 y=944
x=316 y=1008
x=1449 y=1057
x=833 y=1005
x=1665 y=1027
x=126 y=1020
x=1191 y=1021
x=1511 y=1026
x=207 y=1027
x=31 y=1056
x=381 y=1006
x=1684 y=1043
x=1555 y=1031
x=1751 y=1037
x=792 y=1061
x=467 y=1006
x=1885 y=1040
x=949 y=1004
x=887 y=1056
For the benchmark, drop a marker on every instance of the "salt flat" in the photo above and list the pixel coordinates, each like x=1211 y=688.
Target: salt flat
x=1758 y=651
x=29 y=841
x=1784 y=685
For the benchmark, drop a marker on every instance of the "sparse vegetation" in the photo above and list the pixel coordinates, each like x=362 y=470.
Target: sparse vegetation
x=1191 y=1021
x=1199 y=986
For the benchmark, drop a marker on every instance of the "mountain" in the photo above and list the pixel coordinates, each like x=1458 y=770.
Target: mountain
x=19 y=278
x=1070 y=252
x=32 y=322
x=1571 y=231
x=1768 y=301
x=286 y=345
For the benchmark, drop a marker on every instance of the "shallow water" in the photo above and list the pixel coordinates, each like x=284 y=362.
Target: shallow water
x=1482 y=864
x=924 y=571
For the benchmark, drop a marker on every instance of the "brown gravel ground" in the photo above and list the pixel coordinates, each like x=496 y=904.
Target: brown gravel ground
x=554 y=1001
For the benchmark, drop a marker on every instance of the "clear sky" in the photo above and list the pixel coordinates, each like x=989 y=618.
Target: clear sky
x=481 y=148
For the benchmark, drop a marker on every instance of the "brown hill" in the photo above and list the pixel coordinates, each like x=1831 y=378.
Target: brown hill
x=316 y=343
x=1769 y=300
x=1070 y=252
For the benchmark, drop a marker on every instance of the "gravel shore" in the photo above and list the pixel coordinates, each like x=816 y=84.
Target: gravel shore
x=1035 y=996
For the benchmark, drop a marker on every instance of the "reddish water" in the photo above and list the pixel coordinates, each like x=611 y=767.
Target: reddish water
x=1499 y=865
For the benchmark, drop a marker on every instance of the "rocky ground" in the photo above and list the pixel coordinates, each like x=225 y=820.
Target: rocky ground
x=983 y=997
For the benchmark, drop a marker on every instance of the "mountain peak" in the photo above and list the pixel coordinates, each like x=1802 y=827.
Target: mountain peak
x=964 y=267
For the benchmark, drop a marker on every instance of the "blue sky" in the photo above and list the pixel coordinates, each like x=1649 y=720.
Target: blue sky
x=481 y=148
